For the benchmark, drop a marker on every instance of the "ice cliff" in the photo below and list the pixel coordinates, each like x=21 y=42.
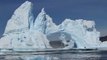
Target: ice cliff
x=22 y=32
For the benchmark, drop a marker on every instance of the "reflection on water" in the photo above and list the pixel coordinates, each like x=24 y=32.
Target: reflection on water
x=56 y=55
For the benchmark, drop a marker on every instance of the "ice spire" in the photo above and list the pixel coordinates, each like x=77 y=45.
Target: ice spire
x=43 y=11
x=40 y=22
x=21 y=18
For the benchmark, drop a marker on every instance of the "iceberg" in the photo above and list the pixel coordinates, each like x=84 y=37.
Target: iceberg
x=23 y=31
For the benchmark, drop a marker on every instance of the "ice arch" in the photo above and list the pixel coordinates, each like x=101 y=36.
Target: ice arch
x=61 y=39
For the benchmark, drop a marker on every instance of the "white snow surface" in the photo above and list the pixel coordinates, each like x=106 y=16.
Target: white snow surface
x=21 y=32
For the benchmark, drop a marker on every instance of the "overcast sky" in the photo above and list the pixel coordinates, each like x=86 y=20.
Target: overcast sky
x=59 y=10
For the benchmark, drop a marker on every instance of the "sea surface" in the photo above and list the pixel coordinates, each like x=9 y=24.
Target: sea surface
x=69 y=54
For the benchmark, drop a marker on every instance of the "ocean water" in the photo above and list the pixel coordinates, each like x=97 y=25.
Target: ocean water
x=71 y=54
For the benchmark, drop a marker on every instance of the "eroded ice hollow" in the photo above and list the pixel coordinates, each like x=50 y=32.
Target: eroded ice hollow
x=23 y=31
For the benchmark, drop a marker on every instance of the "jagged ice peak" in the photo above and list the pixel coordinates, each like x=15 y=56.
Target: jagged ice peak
x=21 y=18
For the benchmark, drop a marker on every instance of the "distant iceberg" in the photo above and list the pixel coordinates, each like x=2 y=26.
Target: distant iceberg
x=22 y=32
